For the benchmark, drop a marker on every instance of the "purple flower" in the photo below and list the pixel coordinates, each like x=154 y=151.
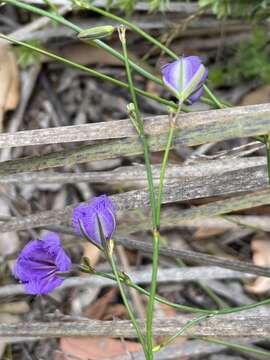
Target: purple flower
x=95 y=220
x=185 y=77
x=39 y=262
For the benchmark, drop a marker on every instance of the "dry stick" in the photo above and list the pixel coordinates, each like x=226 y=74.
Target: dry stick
x=196 y=128
x=197 y=257
x=200 y=187
x=238 y=325
x=142 y=276
x=248 y=223
x=244 y=124
x=183 y=174
x=140 y=199
x=204 y=211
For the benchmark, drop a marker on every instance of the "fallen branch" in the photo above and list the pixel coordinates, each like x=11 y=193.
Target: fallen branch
x=182 y=174
x=140 y=277
x=140 y=199
x=193 y=129
x=238 y=325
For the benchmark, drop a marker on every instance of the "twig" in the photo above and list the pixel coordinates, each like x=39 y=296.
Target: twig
x=224 y=326
x=196 y=128
x=135 y=174
x=140 y=199
x=199 y=258
x=141 y=277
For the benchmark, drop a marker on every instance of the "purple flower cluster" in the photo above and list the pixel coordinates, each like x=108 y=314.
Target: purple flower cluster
x=39 y=263
x=185 y=75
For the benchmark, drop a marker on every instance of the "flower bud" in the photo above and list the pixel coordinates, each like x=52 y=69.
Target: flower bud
x=96 y=220
x=97 y=32
x=185 y=77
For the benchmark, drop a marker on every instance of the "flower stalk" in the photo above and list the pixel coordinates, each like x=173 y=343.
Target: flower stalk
x=136 y=117
x=123 y=295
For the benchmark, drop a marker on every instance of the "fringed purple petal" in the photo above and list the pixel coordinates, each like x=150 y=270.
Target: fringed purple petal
x=39 y=262
x=62 y=261
x=86 y=216
x=37 y=286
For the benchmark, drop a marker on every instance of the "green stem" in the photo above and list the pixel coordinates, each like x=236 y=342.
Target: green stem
x=88 y=70
x=238 y=347
x=130 y=25
x=183 y=308
x=140 y=127
x=211 y=294
x=61 y=20
x=125 y=301
x=156 y=240
x=152 y=296
x=147 y=161
x=180 y=332
x=163 y=171
x=204 y=313
x=213 y=100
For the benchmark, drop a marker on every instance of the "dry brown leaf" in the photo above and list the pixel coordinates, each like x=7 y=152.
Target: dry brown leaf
x=258 y=96
x=9 y=81
x=95 y=348
x=116 y=311
x=98 y=309
x=261 y=257
x=203 y=233
x=92 y=252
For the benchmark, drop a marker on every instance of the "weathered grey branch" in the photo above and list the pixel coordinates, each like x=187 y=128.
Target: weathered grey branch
x=237 y=121
x=198 y=257
x=238 y=325
x=251 y=223
x=193 y=129
x=136 y=174
x=140 y=199
x=142 y=276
